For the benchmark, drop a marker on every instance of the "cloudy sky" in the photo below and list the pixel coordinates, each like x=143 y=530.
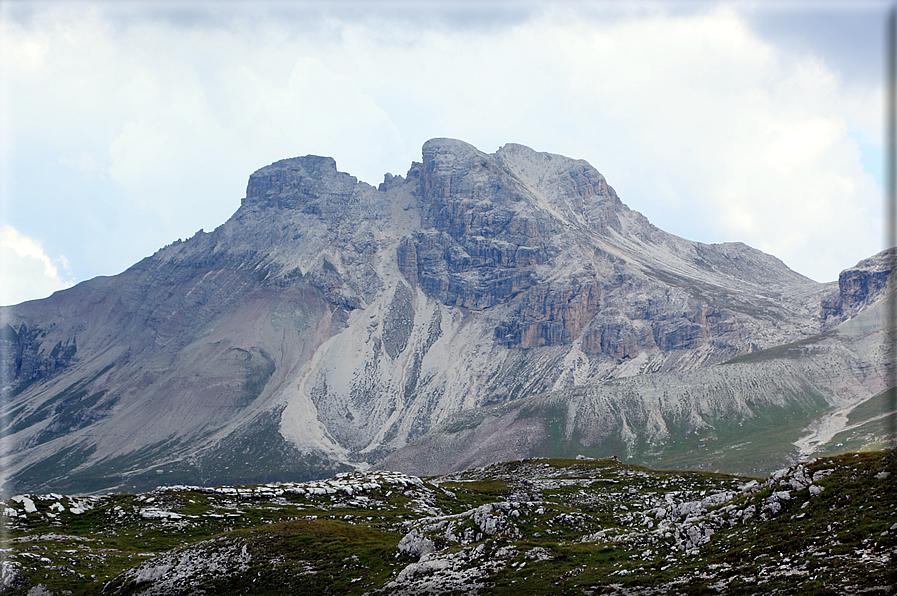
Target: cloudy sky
x=128 y=125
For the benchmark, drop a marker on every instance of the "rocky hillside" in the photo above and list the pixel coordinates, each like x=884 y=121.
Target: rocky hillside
x=329 y=323
x=746 y=415
x=537 y=526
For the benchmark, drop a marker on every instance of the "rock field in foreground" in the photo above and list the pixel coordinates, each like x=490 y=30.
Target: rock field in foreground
x=539 y=526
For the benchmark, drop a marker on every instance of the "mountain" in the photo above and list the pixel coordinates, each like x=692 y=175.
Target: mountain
x=328 y=324
x=747 y=415
x=541 y=526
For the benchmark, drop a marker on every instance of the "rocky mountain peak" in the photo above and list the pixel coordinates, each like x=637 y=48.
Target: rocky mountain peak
x=517 y=181
x=564 y=182
x=299 y=182
x=444 y=151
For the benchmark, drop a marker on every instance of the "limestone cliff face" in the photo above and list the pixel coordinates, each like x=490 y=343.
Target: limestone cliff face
x=716 y=417
x=328 y=323
x=858 y=287
x=548 y=237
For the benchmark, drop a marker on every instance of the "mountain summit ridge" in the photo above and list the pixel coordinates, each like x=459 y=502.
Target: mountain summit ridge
x=329 y=323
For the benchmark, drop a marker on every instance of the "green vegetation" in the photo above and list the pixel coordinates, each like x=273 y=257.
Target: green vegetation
x=755 y=445
x=752 y=446
x=537 y=526
x=870 y=426
x=881 y=404
x=798 y=349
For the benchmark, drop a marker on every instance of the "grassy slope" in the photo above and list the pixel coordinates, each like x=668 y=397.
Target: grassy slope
x=348 y=545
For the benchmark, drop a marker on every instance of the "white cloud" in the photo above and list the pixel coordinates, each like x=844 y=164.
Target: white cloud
x=709 y=130
x=26 y=271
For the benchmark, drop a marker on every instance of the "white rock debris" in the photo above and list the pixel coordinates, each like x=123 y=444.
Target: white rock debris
x=446 y=537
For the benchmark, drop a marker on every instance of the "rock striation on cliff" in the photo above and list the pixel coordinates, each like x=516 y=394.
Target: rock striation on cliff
x=328 y=323
x=859 y=286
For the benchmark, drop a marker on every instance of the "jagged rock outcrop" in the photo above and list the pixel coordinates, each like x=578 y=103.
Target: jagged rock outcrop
x=858 y=287
x=328 y=323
